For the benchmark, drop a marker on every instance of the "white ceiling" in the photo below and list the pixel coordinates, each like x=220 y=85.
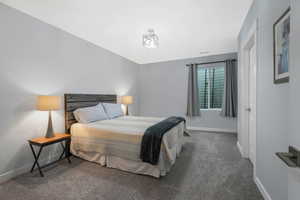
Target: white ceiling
x=185 y=27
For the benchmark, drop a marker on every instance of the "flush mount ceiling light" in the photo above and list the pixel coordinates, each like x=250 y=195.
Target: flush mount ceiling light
x=150 y=40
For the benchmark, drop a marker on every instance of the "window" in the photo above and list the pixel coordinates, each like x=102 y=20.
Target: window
x=211 y=87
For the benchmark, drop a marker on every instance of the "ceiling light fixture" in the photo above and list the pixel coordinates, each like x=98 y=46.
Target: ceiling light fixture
x=150 y=40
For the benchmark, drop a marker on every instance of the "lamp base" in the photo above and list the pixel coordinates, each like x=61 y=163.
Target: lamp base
x=49 y=135
x=50 y=132
x=127 y=112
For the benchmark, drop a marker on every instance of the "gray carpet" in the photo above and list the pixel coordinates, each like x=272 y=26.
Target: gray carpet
x=209 y=168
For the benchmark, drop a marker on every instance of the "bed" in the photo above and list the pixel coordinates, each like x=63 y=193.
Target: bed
x=116 y=143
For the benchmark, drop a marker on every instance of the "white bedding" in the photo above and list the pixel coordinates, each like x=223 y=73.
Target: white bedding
x=116 y=143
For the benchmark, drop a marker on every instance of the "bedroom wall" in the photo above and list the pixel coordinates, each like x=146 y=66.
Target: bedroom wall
x=36 y=58
x=163 y=92
x=294 y=136
x=272 y=102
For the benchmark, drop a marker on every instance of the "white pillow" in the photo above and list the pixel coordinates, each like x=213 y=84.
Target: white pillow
x=113 y=110
x=90 y=114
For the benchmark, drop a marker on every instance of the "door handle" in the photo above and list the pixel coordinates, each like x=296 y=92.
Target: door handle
x=248 y=109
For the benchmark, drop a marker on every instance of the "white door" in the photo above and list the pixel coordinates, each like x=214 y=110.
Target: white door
x=252 y=104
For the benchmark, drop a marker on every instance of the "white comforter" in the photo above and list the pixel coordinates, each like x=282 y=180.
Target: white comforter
x=116 y=143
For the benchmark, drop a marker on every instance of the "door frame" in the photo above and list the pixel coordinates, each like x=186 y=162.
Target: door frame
x=251 y=45
x=243 y=124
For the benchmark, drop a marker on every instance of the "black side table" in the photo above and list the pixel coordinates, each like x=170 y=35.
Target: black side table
x=41 y=142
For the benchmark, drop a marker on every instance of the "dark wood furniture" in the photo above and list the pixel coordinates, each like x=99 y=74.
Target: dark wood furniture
x=75 y=101
x=42 y=142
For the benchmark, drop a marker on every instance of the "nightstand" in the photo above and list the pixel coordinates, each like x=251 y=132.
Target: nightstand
x=41 y=142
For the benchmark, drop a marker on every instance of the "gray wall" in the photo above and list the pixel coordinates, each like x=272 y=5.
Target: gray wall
x=36 y=58
x=163 y=92
x=294 y=134
x=272 y=101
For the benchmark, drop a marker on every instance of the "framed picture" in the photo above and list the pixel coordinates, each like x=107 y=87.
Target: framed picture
x=281 y=31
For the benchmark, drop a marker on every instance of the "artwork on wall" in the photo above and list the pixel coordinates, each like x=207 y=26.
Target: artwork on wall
x=281 y=31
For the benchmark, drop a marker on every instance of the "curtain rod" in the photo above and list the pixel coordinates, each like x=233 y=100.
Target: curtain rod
x=188 y=65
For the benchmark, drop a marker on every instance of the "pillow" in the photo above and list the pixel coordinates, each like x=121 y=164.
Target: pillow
x=90 y=114
x=113 y=110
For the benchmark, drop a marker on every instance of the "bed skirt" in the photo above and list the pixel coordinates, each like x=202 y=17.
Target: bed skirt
x=123 y=164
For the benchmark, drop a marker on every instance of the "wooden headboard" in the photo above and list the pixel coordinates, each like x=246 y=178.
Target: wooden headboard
x=75 y=101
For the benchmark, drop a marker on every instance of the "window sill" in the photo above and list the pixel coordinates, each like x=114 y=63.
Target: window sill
x=211 y=109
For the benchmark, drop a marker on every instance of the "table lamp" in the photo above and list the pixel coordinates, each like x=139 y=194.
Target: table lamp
x=127 y=100
x=48 y=103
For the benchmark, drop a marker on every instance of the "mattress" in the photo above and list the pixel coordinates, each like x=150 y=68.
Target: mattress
x=117 y=143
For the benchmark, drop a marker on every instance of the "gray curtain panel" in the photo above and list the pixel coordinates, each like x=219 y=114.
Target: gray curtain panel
x=229 y=106
x=193 y=104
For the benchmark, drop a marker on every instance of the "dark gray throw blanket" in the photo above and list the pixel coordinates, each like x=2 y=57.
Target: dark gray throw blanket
x=151 y=141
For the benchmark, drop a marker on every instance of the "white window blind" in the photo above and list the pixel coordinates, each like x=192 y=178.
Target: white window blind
x=211 y=87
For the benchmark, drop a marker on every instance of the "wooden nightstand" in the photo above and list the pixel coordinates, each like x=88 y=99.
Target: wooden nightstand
x=41 y=142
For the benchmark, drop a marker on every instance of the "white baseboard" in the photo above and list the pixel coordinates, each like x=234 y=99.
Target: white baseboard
x=262 y=189
x=24 y=169
x=205 y=129
x=240 y=148
x=14 y=172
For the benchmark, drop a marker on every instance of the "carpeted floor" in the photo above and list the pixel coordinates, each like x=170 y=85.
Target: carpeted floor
x=209 y=168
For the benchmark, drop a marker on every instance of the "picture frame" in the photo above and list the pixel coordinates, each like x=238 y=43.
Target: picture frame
x=281 y=42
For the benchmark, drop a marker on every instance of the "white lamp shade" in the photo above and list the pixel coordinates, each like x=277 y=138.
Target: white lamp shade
x=48 y=103
x=127 y=100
